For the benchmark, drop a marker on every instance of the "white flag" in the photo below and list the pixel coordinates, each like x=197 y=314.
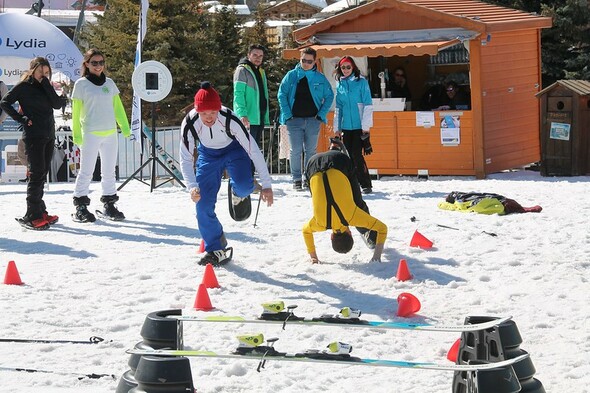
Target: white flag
x=136 y=108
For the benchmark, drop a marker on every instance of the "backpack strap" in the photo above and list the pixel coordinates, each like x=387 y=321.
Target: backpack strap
x=331 y=204
x=190 y=126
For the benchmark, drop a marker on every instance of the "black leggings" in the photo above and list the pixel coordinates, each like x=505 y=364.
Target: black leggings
x=354 y=145
x=39 y=153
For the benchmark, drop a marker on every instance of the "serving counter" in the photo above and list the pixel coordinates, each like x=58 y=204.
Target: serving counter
x=401 y=147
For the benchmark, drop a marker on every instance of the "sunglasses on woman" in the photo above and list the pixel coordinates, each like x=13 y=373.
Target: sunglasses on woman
x=346 y=67
x=306 y=61
x=97 y=63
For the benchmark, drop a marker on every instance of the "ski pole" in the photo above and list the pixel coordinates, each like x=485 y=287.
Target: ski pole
x=91 y=340
x=268 y=155
x=78 y=375
x=257 y=208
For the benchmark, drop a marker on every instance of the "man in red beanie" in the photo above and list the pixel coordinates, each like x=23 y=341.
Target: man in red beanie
x=223 y=144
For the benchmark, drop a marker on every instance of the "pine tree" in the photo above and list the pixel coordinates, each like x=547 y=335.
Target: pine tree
x=566 y=46
x=179 y=35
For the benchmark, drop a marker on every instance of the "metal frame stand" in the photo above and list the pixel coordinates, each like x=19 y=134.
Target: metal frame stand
x=153 y=160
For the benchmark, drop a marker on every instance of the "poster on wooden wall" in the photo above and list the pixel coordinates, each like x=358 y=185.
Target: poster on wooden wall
x=450 y=130
x=560 y=131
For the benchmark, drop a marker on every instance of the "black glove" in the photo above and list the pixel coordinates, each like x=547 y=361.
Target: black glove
x=367 y=148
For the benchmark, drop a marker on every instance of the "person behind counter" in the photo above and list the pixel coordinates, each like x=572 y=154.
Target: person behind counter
x=398 y=85
x=453 y=98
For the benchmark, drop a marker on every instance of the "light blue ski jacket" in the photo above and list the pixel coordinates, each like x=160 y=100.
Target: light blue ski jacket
x=354 y=106
x=319 y=86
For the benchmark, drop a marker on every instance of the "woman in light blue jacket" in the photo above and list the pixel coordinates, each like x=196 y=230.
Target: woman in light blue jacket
x=305 y=97
x=353 y=117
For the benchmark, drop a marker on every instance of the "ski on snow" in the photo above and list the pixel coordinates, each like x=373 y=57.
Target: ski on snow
x=346 y=317
x=264 y=353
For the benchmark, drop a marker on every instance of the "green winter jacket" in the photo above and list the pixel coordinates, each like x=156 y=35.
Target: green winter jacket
x=246 y=94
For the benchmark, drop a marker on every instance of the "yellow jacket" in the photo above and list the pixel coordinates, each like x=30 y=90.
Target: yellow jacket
x=342 y=192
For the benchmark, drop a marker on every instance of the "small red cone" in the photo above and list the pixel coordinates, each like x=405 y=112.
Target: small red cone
x=202 y=247
x=403 y=273
x=12 y=277
x=209 y=279
x=202 y=301
x=418 y=240
x=407 y=304
x=454 y=351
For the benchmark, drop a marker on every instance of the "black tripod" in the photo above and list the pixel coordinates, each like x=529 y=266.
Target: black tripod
x=153 y=160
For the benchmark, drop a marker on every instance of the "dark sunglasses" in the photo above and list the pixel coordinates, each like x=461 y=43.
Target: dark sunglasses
x=97 y=63
x=399 y=74
x=306 y=61
x=346 y=67
x=450 y=89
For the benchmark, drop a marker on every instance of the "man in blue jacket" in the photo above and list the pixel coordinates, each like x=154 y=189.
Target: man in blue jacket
x=305 y=97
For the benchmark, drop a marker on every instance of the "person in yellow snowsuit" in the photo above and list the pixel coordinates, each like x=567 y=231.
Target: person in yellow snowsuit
x=338 y=204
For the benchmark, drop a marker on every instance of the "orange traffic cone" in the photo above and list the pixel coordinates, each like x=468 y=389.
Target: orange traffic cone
x=12 y=277
x=418 y=240
x=209 y=279
x=202 y=247
x=454 y=351
x=202 y=301
x=407 y=304
x=403 y=273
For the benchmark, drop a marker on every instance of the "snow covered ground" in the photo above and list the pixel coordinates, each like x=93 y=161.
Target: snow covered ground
x=102 y=279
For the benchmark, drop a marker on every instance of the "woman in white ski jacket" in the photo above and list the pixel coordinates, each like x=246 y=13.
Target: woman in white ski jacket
x=96 y=111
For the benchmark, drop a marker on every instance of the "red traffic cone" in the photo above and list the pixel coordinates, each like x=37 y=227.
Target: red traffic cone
x=202 y=301
x=418 y=240
x=202 y=247
x=403 y=273
x=407 y=304
x=209 y=279
x=12 y=277
x=454 y=351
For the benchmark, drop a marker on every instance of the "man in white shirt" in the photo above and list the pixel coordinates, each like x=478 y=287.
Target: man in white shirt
x=224 y=144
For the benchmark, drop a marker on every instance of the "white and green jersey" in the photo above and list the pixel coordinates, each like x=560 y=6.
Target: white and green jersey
x=97 y=112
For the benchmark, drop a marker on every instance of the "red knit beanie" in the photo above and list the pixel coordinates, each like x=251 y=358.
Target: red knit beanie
x=207 y=98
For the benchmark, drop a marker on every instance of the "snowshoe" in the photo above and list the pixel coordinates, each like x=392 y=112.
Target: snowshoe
x=51 y=219
x=83 y=215
x=239 y=208
x=110 y=211
x=105 y=216
x=39 y=224
x=218 y=257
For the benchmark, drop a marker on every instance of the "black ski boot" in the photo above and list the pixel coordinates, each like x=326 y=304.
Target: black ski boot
x=82 y=214
x=110 y=210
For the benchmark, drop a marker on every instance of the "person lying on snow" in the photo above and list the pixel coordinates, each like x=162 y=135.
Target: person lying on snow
x=338 y=204
x=484 y=203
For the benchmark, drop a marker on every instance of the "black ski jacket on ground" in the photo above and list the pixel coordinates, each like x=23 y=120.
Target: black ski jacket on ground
x=37 y=102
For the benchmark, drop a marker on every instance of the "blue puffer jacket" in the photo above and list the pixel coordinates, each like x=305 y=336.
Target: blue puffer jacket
x=319 y=86
x=354 y=106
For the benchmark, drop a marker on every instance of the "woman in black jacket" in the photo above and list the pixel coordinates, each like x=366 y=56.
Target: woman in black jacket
x=37 y=100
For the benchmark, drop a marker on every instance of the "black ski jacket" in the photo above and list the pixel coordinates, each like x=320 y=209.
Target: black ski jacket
x=37 y=102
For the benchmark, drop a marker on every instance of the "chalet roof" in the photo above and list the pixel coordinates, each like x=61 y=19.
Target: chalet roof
x=468 y=14
x=315 y=5
x=580 y=87
x=374 y=50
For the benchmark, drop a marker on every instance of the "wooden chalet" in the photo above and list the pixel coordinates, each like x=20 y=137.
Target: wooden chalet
x=495 y=50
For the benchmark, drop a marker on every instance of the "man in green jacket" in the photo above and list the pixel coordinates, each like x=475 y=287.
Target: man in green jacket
x=251 y=92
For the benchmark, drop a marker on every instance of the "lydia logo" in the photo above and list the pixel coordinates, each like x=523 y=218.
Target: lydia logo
x=30 y=43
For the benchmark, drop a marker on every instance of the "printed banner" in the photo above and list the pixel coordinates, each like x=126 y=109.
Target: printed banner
x=23 y=37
